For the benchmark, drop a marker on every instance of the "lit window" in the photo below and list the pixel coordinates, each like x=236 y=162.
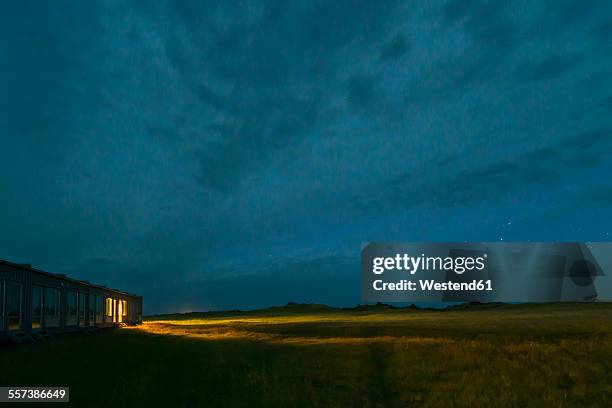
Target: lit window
x=109 y=307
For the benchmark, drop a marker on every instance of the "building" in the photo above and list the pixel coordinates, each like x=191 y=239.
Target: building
x=35 y=303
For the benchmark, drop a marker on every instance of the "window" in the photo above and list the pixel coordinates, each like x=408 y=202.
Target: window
x=121 y=310
x=82 y=311
x=92 y=310
x=139 y=311
x=131 y=311
x=99 y=309
x=51 y=299
x=13 y=295
x=71 y=309
x=1 y=305
x=37 y=307
x=109 y=310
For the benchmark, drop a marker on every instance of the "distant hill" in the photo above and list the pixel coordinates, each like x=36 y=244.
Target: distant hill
x=306 y=308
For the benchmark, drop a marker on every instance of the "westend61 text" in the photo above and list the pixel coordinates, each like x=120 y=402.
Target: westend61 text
x=430 y=284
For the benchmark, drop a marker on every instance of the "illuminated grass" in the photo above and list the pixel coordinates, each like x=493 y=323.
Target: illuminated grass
x=537 y=355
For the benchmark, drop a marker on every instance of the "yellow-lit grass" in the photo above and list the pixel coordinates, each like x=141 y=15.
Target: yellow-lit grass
x=511 y=356
x=555 y=355
x=546 y=320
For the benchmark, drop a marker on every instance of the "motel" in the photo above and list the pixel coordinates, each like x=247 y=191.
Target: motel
x=35 y=304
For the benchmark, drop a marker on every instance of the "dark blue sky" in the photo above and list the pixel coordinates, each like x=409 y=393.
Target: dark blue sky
x=235 y=155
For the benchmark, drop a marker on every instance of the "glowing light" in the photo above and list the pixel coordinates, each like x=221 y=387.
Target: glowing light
x=120 y=311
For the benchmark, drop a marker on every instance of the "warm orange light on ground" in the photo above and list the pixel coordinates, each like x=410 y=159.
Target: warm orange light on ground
x=409 y=327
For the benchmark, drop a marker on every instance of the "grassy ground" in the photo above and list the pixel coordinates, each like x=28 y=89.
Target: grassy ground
x=522 y=355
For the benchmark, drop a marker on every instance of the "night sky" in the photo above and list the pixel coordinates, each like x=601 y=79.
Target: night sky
x=220 y=155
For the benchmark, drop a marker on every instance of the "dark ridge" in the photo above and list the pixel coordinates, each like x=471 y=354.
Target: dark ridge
x=292 y=307
x=303 y=308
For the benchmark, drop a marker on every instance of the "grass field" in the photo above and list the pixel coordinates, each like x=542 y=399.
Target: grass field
x=309 y=355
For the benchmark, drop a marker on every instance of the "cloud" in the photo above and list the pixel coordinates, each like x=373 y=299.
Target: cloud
x=150 y=146
x=596 y=138
x=553 y=66
x=362 y=91
x=600 y=195
x=395 y=48
x=298 y=280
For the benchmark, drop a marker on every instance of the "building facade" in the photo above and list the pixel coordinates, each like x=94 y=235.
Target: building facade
x=33 y=301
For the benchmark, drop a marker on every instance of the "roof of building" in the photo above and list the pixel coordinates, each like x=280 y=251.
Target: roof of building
x=28 y=267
